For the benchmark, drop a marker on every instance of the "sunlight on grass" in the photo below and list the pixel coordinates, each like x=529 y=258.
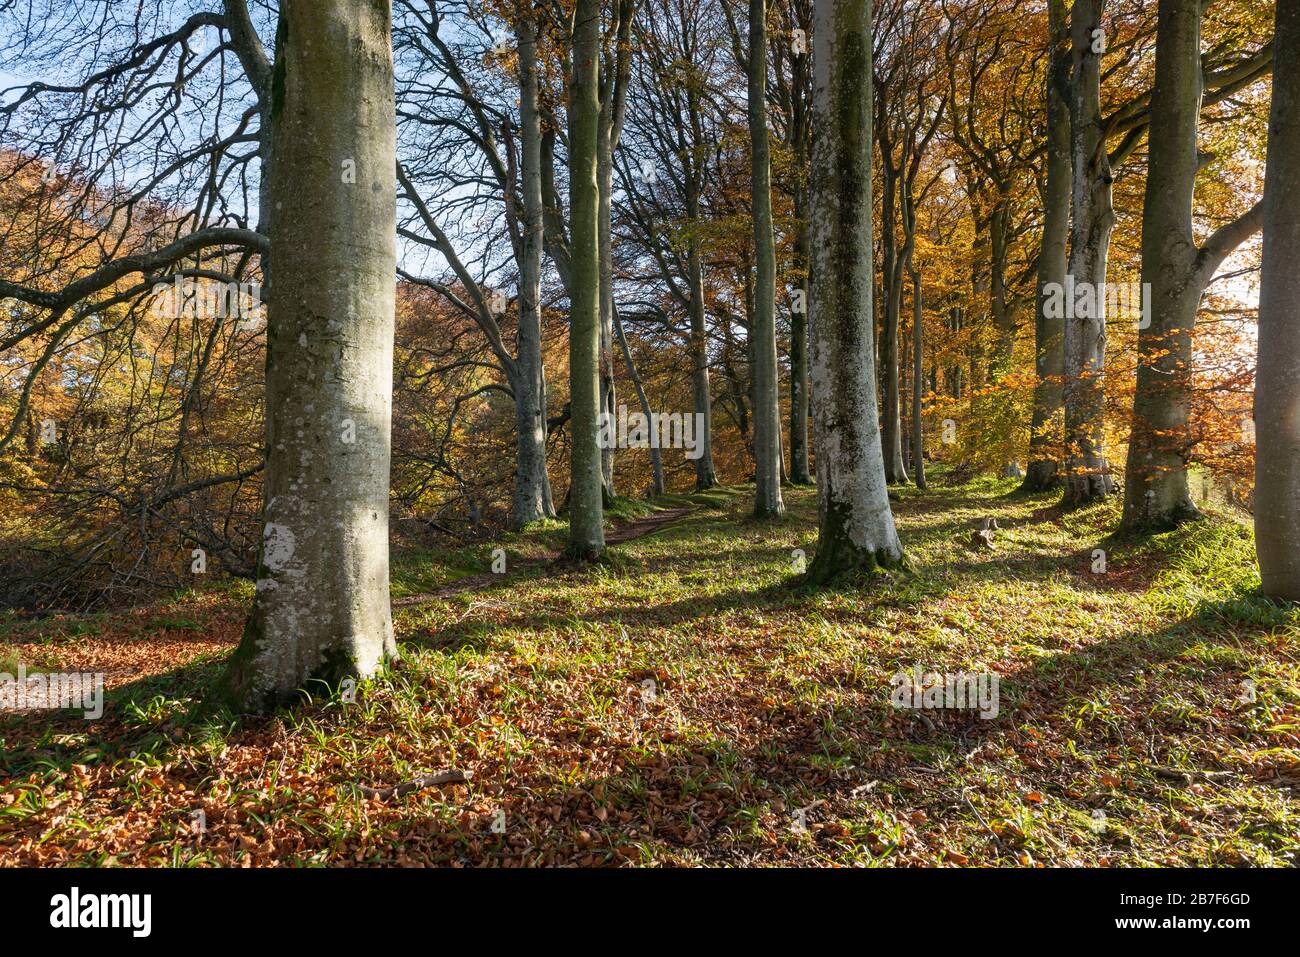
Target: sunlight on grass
x=686 y=703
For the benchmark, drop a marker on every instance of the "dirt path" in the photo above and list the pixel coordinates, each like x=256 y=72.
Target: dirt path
x=624 y=533
x=644 y=526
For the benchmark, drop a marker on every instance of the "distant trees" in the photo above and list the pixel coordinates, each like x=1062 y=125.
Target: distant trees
x=131 y=163
x=669 y=156
x=464 y=134
x=1017 y=141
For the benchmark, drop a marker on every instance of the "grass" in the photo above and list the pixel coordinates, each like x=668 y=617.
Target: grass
x=685 y=704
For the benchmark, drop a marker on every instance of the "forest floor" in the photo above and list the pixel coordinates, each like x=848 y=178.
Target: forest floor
x=683 y=704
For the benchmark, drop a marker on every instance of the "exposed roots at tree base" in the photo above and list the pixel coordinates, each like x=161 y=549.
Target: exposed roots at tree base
x=846 y=564
x=1041 y=476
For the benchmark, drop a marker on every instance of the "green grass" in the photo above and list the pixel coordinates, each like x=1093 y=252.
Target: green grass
x=686 y=703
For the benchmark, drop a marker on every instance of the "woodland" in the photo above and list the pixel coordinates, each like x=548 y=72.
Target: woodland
x=658 y=433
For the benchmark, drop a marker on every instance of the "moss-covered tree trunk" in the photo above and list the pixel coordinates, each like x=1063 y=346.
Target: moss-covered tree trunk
x=322 y=604
x=1155 y=485
x=1049 y=331
x=767 y=413
x=801 y=140
x=1177 y=272
x=918 y=377
x=857 y=530
x=532 y=492
x=1087 y=470
x=586 y=508
x=891 y=374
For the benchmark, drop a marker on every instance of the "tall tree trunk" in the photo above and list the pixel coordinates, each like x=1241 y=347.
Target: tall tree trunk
x=1155 y=482
x=893 y=289
x=1177 y=272
x=1277 y=375
x=322 y=604
x=1004 y=319
x=1049 y=330
x=706 y=475
x=905 y=390
x=611 y=93
x=532 y=493
x=799 y=471
x=1088 y=473
x=608 y=393
x=767 y=413
x=586 y=508
x=954 y=372
x=801 y=141
x=856 y=525
x=918 y=377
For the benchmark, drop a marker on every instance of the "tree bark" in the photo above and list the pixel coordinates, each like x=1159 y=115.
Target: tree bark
x=893 y=290
x=1088 y=473
x=532 y=492
x=706 y=475
x=608 y=392
x=800 y=137
x=1049 y=331
x=1277 y=376
x=856 y=525
x=918 y=377
x=1177 y=272
x=322 y=604
x=767 y=420
x=586 y=507
x=1155 y=482
x=799 y=471
x=614 y=70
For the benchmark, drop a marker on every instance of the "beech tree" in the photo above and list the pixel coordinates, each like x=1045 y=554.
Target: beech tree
x=612 y=84
x=767 y=420
x=918 y=379
x=793 y=95
x=1093 y=218
x=1177 y=271
x=1277 y=377
x=1049 y=329
x=322 y=604
x=586 y=507
x=856 y=524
